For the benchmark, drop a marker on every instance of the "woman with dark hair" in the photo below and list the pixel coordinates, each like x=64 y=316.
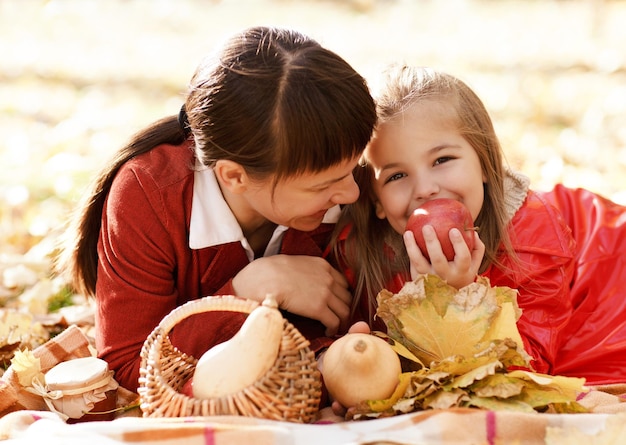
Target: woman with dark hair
x=237 y=195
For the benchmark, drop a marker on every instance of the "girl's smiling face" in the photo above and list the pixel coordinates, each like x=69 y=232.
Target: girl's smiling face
x=420 y=155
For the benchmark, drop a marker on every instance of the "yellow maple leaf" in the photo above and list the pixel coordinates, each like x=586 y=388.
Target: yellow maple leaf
x=569 y=386
x=478 y=373
x=458 y=365
x=497 y=404
x=27 y=367
x=498 y=385
x=435 y=320
x=446 y=399
x=465 y=341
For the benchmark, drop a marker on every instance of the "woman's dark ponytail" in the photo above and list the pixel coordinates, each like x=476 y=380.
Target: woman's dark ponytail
x=78 y=259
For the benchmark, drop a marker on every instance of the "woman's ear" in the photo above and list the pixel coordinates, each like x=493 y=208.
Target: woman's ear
x=231 y=176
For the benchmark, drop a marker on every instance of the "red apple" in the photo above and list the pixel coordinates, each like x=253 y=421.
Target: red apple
x=443 y=214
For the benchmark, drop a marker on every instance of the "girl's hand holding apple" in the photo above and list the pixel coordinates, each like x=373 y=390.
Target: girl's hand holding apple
x=441 y=239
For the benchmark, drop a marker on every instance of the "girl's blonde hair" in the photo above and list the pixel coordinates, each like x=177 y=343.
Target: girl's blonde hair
x=373 y=250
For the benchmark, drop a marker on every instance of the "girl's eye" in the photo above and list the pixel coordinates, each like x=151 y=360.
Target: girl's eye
x=442 y=160
x=394 y=177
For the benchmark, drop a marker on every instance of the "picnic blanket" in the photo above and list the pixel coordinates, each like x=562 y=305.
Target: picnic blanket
x=433 y=427
x=25 y=418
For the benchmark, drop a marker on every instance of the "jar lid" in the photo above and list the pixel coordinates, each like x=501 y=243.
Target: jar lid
x=76 y=373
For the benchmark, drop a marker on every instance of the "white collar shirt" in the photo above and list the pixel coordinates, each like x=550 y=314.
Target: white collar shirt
x=213 y=223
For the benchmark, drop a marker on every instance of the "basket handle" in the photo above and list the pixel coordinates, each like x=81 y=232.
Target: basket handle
x=204 y=304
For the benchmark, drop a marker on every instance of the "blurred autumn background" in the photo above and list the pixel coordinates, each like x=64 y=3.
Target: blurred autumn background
x=78 y=77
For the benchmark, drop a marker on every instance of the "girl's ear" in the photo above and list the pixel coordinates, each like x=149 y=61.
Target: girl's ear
x=380 y=212
x=231 y=176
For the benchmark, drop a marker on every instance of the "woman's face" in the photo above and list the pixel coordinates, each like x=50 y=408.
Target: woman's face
x=420 y=155
x=301 y=202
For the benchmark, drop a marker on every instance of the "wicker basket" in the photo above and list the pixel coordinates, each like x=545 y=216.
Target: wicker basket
x=290 y=390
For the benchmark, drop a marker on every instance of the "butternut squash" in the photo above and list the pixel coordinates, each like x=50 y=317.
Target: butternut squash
x=359 y=367
x=239 y=362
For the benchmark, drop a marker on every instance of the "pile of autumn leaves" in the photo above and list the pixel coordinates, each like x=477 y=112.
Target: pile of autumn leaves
x=461 y=348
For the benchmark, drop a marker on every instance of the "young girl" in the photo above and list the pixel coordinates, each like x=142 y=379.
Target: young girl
x=237 y=196
x=563 y=250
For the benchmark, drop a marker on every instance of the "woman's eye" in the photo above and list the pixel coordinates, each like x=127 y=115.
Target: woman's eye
x=395 y=177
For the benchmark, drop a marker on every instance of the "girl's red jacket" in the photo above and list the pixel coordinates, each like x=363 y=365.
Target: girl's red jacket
x=570 y=271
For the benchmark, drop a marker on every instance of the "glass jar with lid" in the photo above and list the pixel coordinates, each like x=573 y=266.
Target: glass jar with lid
x=82 y=389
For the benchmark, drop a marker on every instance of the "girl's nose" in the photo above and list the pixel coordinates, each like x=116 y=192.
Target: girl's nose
x=424 y=188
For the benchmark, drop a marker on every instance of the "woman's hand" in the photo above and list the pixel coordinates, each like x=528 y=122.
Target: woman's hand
x=459 y=272
x=304 y=285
